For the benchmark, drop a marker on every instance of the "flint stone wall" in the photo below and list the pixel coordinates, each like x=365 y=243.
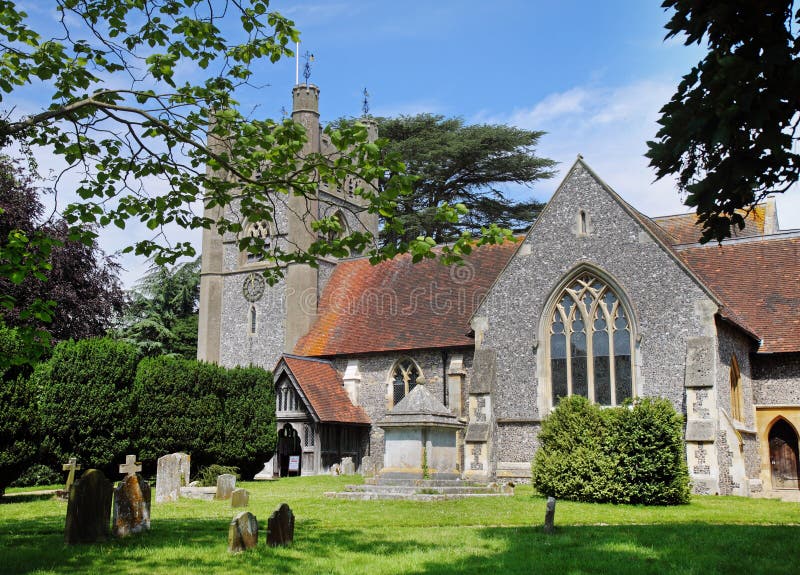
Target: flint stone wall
x=776 y=379
x=660 y=293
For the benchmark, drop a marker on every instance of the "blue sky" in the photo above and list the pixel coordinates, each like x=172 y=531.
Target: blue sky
x=591 y=74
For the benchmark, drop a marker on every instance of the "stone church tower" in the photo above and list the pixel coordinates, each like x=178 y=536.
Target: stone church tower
x=243 y=321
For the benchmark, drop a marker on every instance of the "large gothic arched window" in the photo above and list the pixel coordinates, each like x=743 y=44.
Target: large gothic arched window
x=590 y=344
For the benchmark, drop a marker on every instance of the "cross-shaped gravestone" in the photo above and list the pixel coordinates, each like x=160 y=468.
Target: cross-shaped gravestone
x=130 y=467
x=71 y=466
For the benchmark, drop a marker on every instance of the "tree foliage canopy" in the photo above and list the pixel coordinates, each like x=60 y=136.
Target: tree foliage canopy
x=74 y=291
x=150 y=141
x=457 y=164
x=728 y=132
x=161 y=316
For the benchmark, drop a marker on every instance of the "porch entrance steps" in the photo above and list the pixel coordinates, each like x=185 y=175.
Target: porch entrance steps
x=421 y=490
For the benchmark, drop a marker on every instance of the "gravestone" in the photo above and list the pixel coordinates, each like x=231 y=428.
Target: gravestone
x=367 y=466
x=240 y=498
x=280 y=527
x=131 y=507
x=172 y=472
x=242 y=532
x=226 y=483
x=268 y=472
x=348 y=467
x=71 y=466
x=88 y=509
x=550 y=515
x=130 y=467
x=336 y=469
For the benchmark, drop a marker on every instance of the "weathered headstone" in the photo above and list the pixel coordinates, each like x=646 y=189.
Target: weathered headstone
x=226 y=483
x=336 y=469
x=280 y=527
x=367 y=466
x=172 y=472
x=268 y=472
x=131 y=507
x=550 y=515
x=71 y=466
x=240 y=498
x=348 y=467
x=89 y=509
x=242 y=532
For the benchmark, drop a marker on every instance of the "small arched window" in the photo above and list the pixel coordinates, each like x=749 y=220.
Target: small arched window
x=590 y=344
x=253 y=319
x=405 y=377
x=737 y=399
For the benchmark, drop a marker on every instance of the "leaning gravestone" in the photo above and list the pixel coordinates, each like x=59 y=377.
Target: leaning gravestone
x=240 y=498
x=242 y=532
x=348 y=467
x=226 y=483
x=172 y=472
x=280 y=527
x=89 y=509
x=131 y=507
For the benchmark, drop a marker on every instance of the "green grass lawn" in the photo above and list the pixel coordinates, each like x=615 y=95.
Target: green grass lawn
x=490 y=536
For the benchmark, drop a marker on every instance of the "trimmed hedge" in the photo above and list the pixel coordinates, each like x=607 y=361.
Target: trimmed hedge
x=85 y=404
x=94 y=400
x=618 y=455
x=18 y=429
x=217 y=415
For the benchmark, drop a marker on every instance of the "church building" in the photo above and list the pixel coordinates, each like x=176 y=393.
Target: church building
x=596 y=299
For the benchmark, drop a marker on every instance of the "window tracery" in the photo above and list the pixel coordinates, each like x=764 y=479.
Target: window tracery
x=405 y=377
x=261 y=231
x=590 y=344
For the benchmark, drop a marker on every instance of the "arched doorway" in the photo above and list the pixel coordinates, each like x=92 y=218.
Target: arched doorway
x=783 y=456
x=288 y=446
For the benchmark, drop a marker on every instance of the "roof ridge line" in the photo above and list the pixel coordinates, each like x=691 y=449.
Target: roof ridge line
x=781 y=235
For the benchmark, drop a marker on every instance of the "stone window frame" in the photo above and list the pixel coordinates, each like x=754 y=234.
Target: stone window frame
x=252 y=320
x=419 y=380
x=260 y=228
x=737 y=393
x=544 y=372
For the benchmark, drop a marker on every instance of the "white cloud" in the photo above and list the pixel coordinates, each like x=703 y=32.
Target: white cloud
x=609 y=126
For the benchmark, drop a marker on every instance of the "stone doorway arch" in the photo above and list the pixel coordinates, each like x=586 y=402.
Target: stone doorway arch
x=783 y=455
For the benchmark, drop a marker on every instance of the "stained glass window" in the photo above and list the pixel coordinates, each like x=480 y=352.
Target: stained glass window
x=590 y=344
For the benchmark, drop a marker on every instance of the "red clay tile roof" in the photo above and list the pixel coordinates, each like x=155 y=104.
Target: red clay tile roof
x=684 y=229
x=399 y=305
x=322 y=386
x=759 y=284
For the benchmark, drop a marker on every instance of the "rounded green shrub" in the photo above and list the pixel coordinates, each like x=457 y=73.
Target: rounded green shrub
x=622 y=455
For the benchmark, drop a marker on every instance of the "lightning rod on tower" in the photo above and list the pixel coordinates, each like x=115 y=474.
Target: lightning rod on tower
x=365 y=103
